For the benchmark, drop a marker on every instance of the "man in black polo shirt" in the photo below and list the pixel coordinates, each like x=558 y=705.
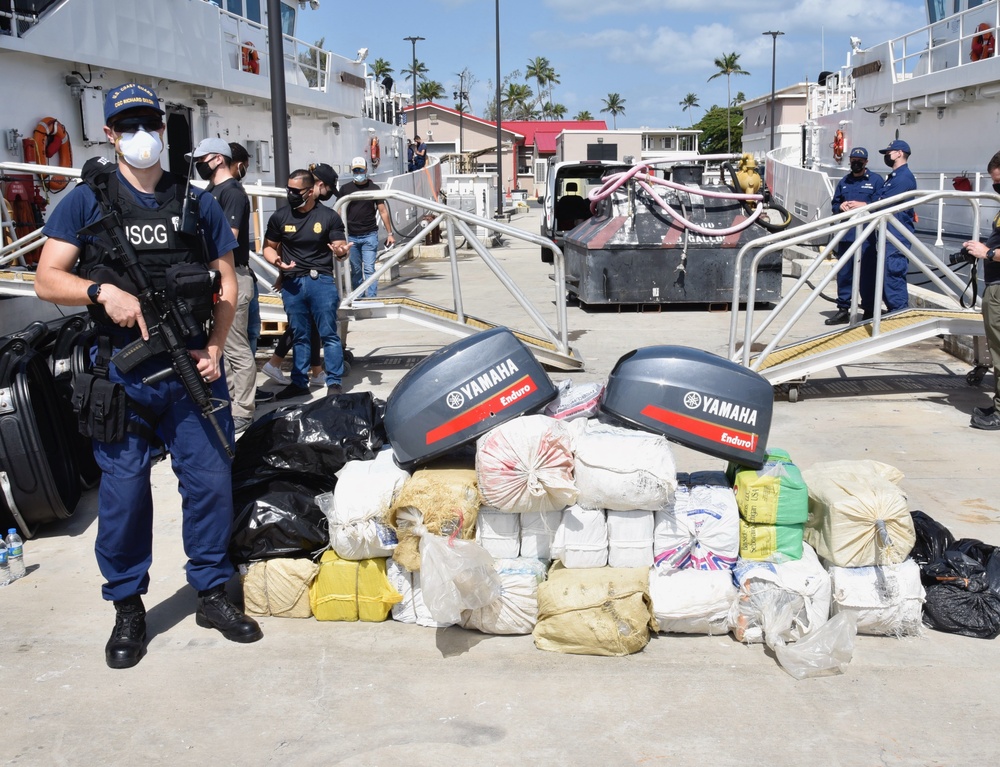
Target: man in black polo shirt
x=362 y=226
x=212 y=157
x=302 y=240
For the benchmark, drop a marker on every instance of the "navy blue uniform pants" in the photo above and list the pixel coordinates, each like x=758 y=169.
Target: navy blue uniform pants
x=125 y=516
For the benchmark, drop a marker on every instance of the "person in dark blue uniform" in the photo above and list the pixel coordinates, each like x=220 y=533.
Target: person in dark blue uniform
x=989 y=417
x=895 y=292
x=855 y=190
x=76 y=270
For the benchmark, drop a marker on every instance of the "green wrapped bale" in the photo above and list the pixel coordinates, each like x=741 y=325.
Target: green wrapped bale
x=772 y=495
x=771 y=543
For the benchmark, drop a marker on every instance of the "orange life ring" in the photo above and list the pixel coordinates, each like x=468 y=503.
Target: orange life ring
x=250 y=58
x=375 y=151
x=983 y=44
x=51 y=140
x=838 y=145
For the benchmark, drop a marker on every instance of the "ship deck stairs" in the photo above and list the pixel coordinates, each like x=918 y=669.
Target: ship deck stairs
x=778 y=343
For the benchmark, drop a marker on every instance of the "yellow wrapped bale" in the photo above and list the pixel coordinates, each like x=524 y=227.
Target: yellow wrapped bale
x=351 y=590
x=443 y=496
x=594 y=611
x=279 y=587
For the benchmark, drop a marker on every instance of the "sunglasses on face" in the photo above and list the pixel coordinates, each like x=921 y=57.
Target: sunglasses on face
x=299 y=188
x=148 y=123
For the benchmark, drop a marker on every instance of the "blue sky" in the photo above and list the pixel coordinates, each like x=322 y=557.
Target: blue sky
x=652 y=52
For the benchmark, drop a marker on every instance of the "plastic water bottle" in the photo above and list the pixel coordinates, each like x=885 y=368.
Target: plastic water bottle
x=4 y=569
x=15 y=554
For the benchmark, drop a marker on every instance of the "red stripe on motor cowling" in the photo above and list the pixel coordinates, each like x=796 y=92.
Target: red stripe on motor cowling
x=700 y=428
x=481 y=411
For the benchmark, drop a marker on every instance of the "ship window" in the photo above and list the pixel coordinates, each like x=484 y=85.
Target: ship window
x=253 y=10
x=936 y=10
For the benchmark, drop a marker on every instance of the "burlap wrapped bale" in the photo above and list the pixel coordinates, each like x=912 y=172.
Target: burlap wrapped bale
x=444 y=496
x=594 y=611
x=279 y=587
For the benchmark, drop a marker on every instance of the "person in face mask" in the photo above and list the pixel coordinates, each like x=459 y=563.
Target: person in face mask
x=301 y=241
x=989 y=417
x=211 y=158
x=895 y=291
x=326 y=182
x=362 y=226
x=855 y=190
x=76 y=270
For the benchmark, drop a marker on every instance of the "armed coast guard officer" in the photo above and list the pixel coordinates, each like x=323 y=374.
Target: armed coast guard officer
x=76 y=270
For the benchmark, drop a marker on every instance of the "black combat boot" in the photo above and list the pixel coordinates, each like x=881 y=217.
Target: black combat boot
x=124 y=648
x=215 y=611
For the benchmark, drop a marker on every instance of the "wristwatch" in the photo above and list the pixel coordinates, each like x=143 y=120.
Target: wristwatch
x=990 y=254
x=93 y=292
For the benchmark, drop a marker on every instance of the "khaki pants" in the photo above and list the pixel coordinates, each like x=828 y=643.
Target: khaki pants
x=241 y=369
x=991 y=319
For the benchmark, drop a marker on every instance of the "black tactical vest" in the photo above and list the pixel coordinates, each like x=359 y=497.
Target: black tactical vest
x=154 y=234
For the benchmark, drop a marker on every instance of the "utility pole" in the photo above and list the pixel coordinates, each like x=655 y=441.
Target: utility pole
x=774 y=46
x=499 y=115
x=461 y=96
x=413 y=42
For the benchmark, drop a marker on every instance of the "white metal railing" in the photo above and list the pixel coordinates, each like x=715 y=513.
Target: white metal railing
x=944 y=44
x=459 y=222
x=872 y=220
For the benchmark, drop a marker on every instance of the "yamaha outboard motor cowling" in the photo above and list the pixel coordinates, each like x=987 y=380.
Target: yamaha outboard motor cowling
x=462 y=391
x=694 y=398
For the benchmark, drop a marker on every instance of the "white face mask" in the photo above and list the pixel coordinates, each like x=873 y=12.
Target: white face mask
x=140 y=149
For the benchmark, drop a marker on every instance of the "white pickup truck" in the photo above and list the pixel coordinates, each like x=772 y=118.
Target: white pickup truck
x=566 y=204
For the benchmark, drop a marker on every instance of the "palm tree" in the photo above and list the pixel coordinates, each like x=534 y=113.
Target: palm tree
x=381 y=68
x=551 y=79
x=558 y=111
x=690 y=102
x=430 y=90
x=516 y=101
x=421 y=71
x=728 y=65
x=538 y=69
x=583 y=114
x=614 y=104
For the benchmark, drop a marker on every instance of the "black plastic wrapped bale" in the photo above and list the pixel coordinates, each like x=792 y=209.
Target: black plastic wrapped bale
x=39 y=474
x=287 y=458
x=963 y=590
x=636 y=252
x=462 y=391
x=694 y=398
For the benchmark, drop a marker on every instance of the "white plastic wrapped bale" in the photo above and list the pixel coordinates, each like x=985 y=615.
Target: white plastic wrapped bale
x=526 y=465
x=630 y=538
x=538 y=530
x=516 y=611
x=358 y=504
x=886 y=600
x=412 y=609
x=700 y=528
x=857 y=517
x=581 y=538
x=499 y=532
x=620 y=468
x=579 y=401
x=785 y=601
x=692 y=601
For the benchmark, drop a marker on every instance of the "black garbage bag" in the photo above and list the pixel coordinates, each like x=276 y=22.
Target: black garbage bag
x=963 y=591
x=285 y=460
x=316 y=438
x=279 y=518
x=933 y=539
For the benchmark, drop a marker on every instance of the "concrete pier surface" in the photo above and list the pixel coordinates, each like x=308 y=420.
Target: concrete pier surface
x=321 y=693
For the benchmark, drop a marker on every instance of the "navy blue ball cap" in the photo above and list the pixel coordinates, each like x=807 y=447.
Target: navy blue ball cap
x=859 y=153
x=129 y=96
x=898 y=144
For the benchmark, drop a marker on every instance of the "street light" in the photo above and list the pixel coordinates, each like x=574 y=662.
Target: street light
x=499 y=119
x=461 y=97
x=413 y=42
x=774 y=46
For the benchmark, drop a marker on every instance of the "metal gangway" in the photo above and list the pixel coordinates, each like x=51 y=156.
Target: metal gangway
x=784 y=361
x=549 y=341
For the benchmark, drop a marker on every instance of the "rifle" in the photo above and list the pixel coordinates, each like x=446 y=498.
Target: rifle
x=168 y=322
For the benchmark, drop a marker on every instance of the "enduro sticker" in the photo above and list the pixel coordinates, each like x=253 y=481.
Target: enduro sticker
x=488 y=408
x=723 y=435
